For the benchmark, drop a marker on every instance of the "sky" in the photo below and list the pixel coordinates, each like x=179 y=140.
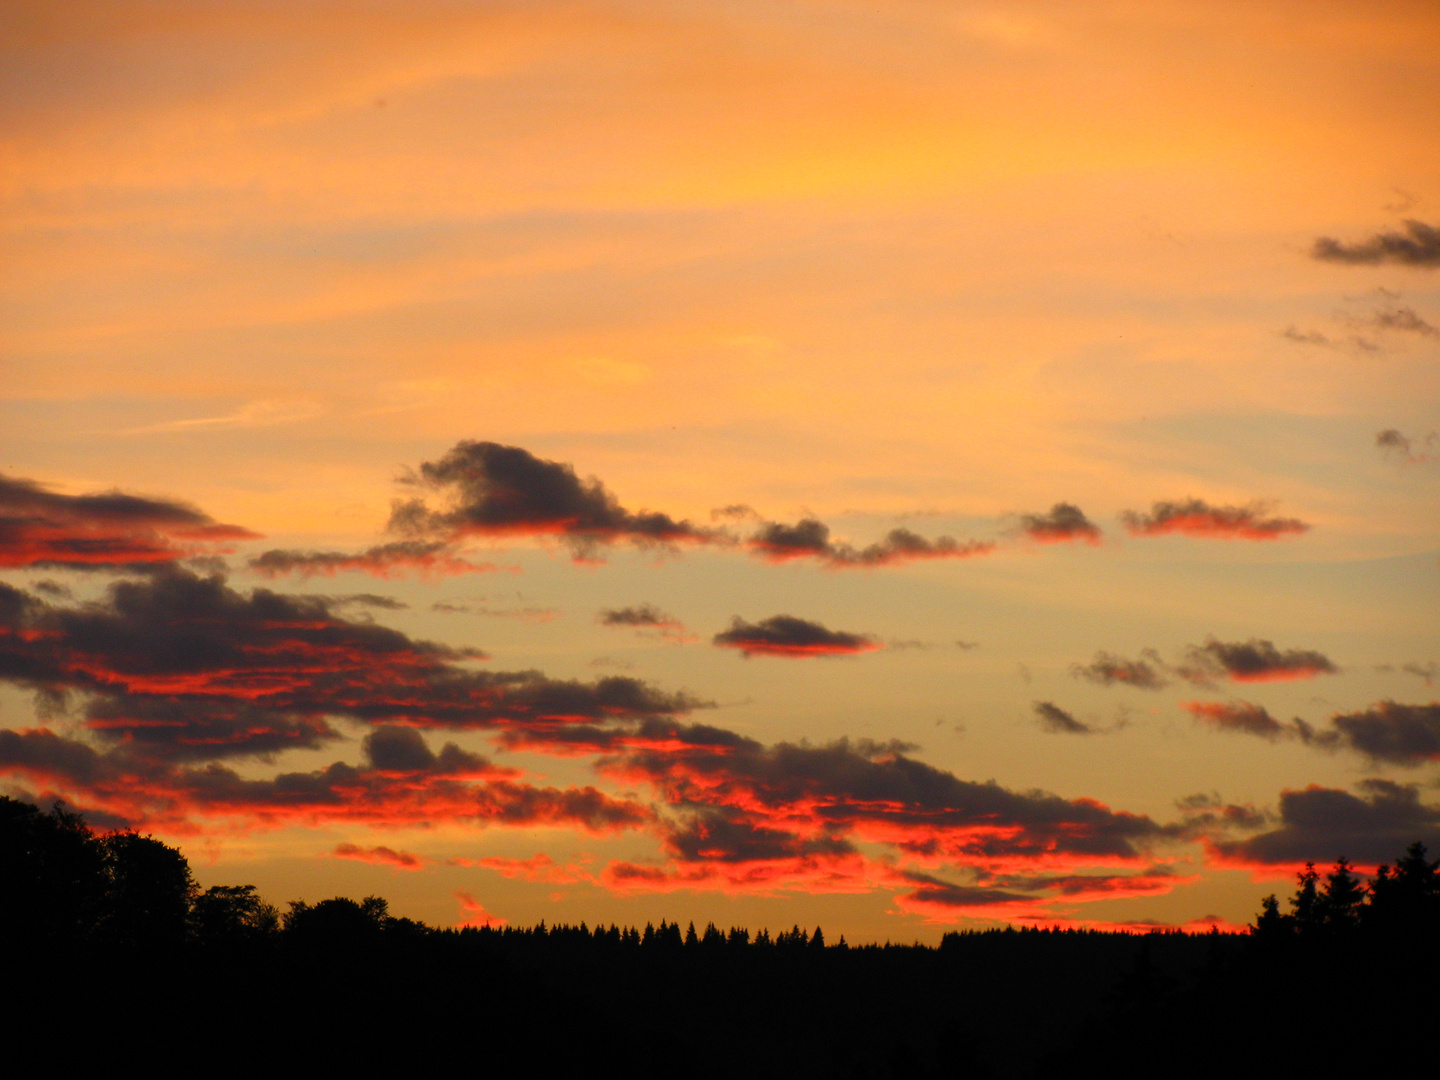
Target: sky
x=899 y=467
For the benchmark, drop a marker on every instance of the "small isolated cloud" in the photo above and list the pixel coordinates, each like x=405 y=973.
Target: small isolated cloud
x=103 y=531
x=1308 y=337
x=1404 y=320
x=383 y=856
x=1423 y=671
x=1053 y=718
x=1393 y=443
x=1196 y=517
x=1063 y=522
x=810 y=539
x=1110 y=670
x=1237 y=716
x=645 y=617
x=474 y=913
x=1255 y=660
x=523 y=614
x=370 y=600
x=487 y=489
x=424 y=557
x=785 y=635
x=1418 y=245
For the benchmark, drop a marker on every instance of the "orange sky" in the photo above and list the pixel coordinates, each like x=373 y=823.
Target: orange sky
x=925 y=265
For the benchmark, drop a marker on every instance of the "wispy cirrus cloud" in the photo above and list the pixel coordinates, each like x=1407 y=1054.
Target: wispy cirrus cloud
x=428 y=558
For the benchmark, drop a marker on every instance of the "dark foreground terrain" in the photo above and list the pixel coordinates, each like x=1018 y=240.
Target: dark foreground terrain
x=112 y=956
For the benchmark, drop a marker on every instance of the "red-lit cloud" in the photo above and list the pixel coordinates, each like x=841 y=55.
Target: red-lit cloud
x=474 y=912
x=785 y=635
x=1239 y=716
x=182 y=666
x=1254 y=661
x=1195 y=517
x=108 y=530
x=383 y=856
x=401 y=783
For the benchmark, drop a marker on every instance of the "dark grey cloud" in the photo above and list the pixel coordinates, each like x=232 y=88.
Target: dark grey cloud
x=1064 y=521
x=785 y=635
x=1196 y=517
x=492 y=490
x=182 y=666
x=104 y=531
x=1255 y=660
x=1053 y=718
x=810 y=538
x=1320 y=824
x=1108 y=669
x=1399 y=734
x=1417 y=245
x=425 y=557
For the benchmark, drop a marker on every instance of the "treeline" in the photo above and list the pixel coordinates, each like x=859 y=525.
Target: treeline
x=112 y=952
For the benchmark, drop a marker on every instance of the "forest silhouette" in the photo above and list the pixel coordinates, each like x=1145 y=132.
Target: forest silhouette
x=113 y=954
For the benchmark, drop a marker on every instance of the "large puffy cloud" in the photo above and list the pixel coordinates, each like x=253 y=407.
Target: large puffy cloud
x=1320 y=824
x=1255 y=660
x=858 y=790
x=1196 y=517
x=1418 y=245
x=785 y=635
x=492 y=490
x=402 y=782
x=429 y=558
x=107 y=530
x=810 y=539
x=1065 y=521
x=183 y=666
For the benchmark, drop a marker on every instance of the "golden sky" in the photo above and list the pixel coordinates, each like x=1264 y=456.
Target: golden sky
x=935 y=266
